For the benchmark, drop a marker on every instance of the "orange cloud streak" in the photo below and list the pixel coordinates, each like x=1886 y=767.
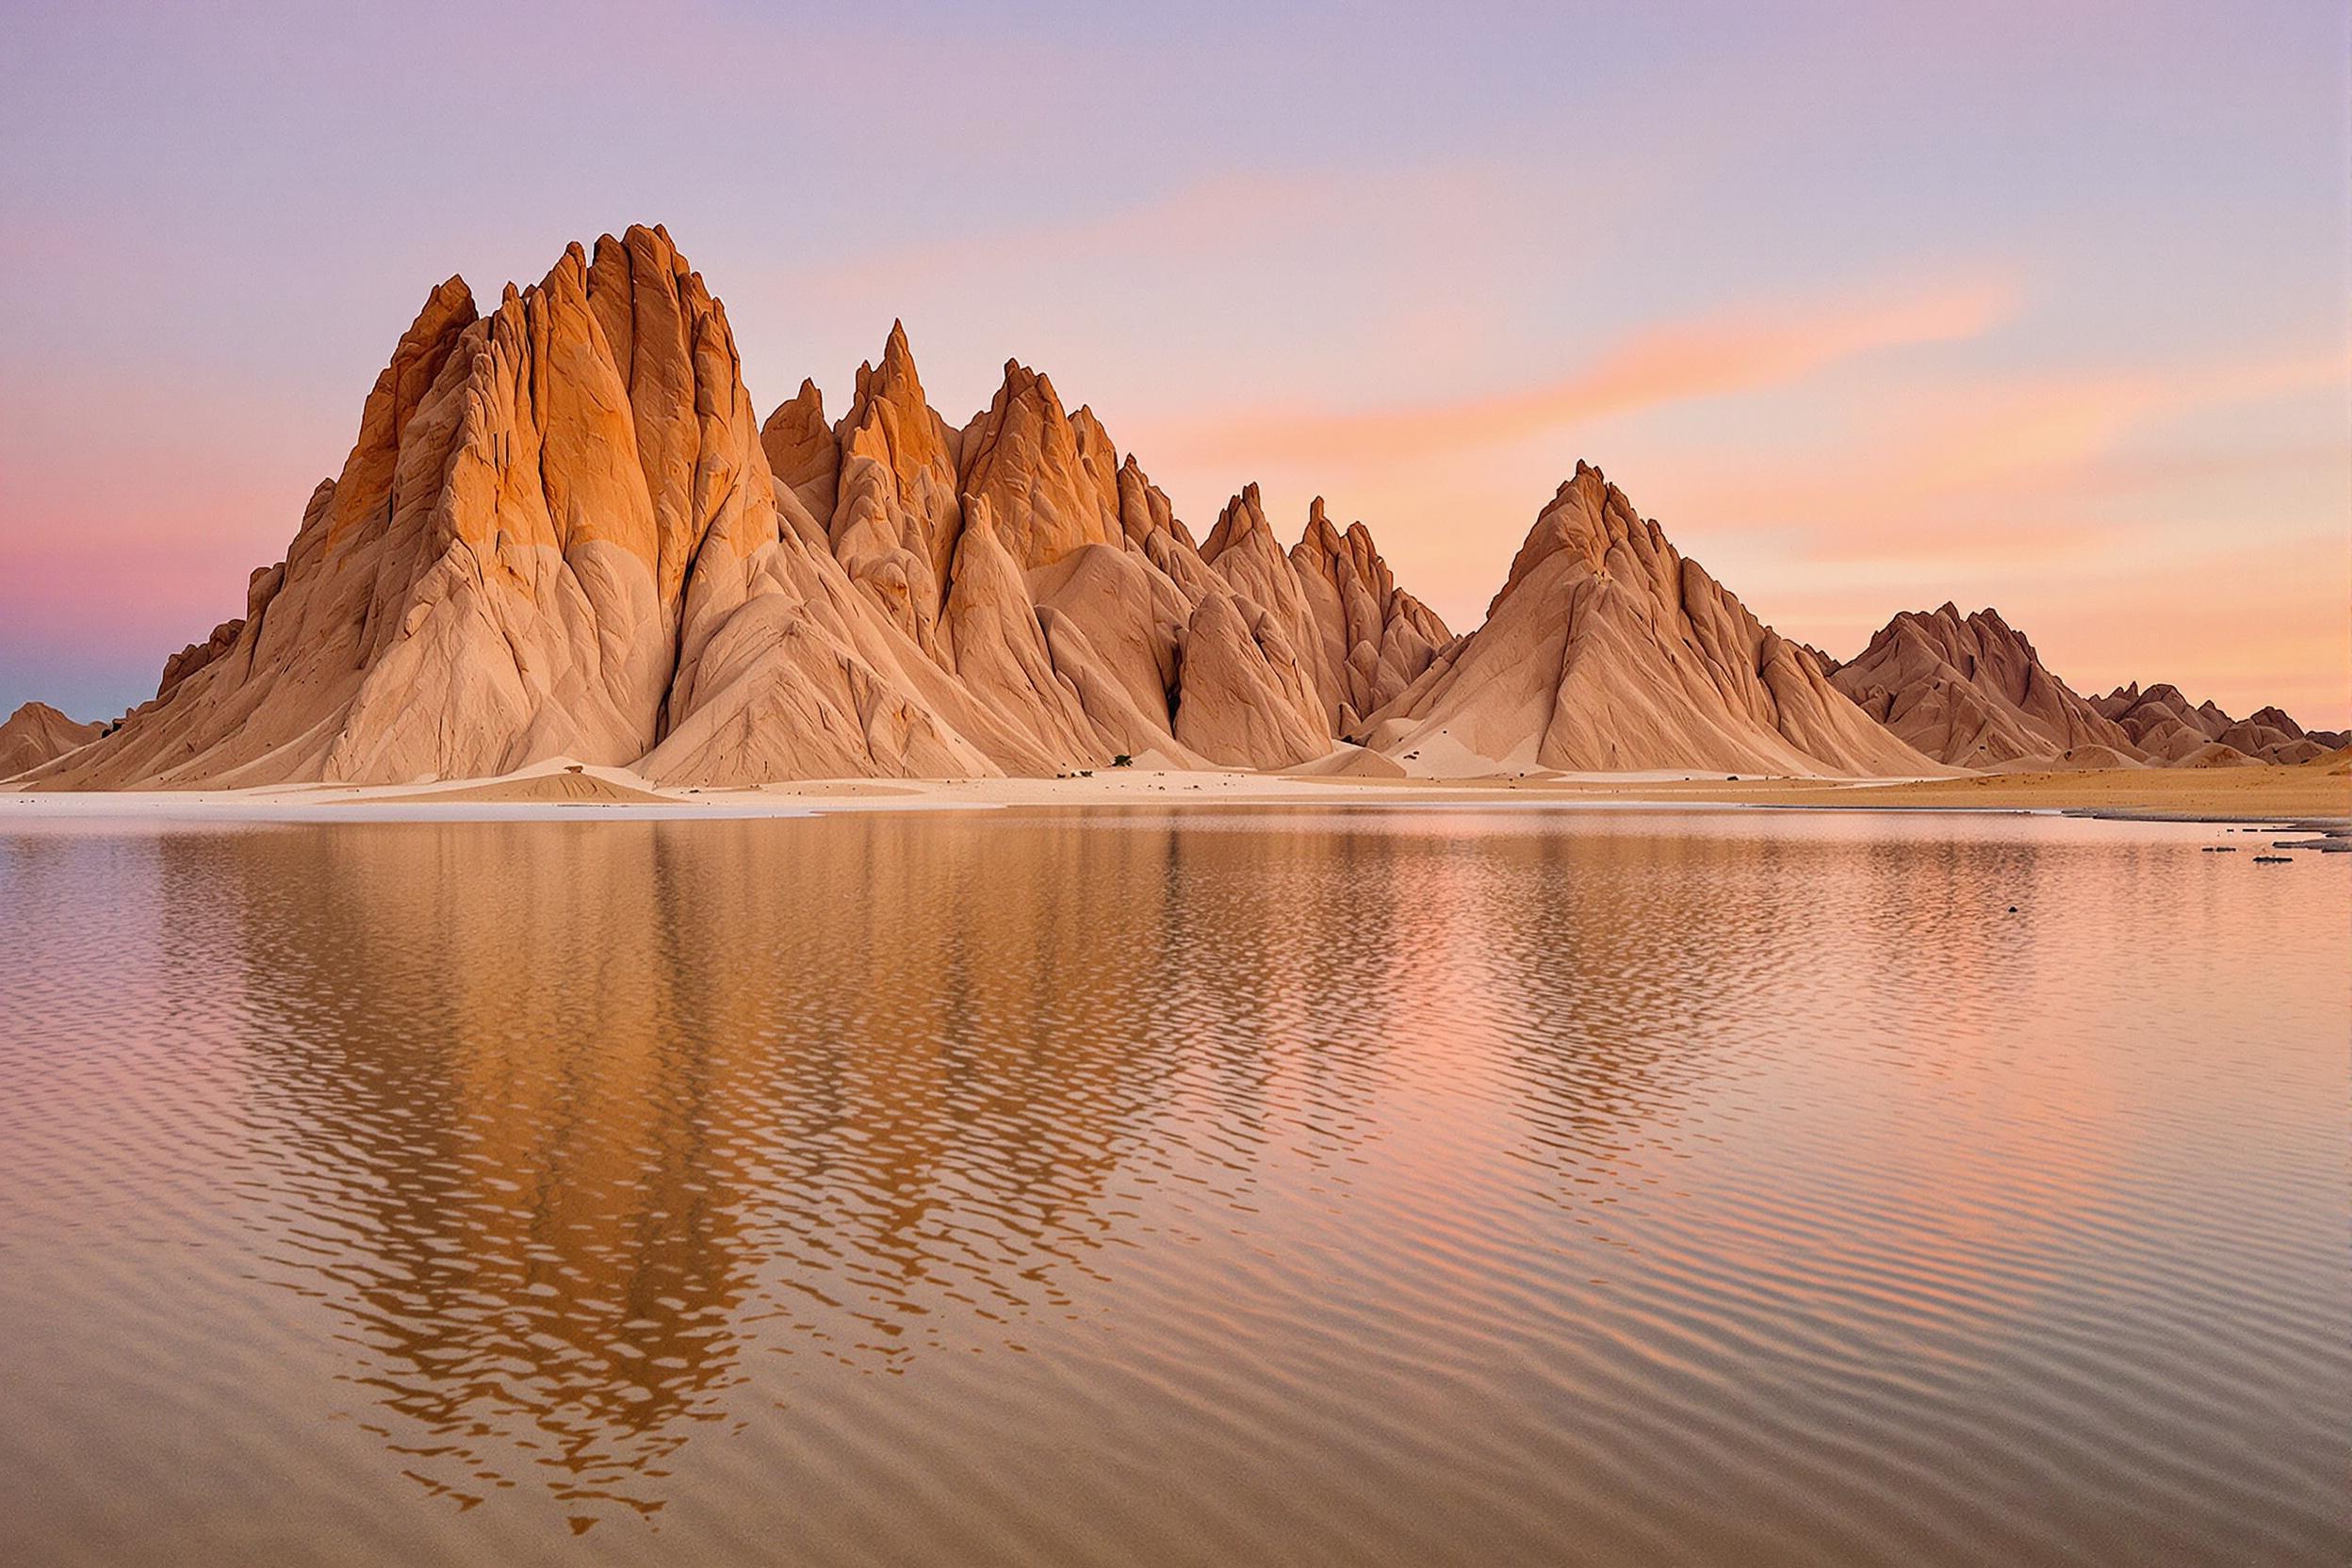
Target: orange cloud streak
x=2011 y=467
x=1759 y=346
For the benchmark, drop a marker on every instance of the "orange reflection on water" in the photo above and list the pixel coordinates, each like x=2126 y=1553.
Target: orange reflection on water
x=1017 y=1186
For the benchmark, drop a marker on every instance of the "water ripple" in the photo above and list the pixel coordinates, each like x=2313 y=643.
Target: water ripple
x=1148 y=1186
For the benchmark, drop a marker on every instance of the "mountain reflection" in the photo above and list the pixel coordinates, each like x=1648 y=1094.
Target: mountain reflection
x=566 y=1123
x=1399 y=1183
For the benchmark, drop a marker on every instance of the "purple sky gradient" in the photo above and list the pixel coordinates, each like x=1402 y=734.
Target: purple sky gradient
x=2039 y=305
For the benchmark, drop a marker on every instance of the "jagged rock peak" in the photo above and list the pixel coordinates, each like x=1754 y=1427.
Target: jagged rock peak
x=1051 y=478
x=895 y=369
x=562 y=528
x=1351 y=552
x=1145 y=512
x=1586 y=515
x=2173 y=729
x=1608 y=650
x=1371 y=640
x=897 y=509
x=1243 y=517
x=803 y=454
x=1972 y=691
x=497 y=574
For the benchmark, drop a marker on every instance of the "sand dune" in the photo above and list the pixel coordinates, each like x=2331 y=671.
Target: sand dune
x=569 y=786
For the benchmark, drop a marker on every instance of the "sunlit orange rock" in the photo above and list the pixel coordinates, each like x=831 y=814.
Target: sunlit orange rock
x=562 y=532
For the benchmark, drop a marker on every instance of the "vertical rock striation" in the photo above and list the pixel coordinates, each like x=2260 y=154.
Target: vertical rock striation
x=561 y=531
x=1971 y=691
x=1608 y=651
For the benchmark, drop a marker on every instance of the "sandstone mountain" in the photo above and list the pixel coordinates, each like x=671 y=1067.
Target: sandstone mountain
x=37 y=733
x=563 y=531
x=1971 y=691
x=2171 y=729
x=1607 y=650
x=1371 y=638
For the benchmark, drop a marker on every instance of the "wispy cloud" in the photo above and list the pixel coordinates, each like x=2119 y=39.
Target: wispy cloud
x=1756 y=347
x=2123 y=514
x=2016 y=464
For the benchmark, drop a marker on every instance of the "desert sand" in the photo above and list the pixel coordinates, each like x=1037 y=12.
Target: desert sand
x=2318 y=792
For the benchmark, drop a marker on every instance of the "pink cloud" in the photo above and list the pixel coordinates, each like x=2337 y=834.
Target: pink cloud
x=1760 y=346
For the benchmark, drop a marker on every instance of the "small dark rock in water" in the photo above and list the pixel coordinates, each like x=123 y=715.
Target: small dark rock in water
x=2272 y=859
x=2012 y=908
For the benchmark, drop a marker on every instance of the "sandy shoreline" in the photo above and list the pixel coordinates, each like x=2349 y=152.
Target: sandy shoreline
x=560 y=791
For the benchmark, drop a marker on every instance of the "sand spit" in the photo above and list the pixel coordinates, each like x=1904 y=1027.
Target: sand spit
x=2314 y=796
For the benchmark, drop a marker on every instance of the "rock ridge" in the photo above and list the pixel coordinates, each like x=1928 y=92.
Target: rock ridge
x=561 y=529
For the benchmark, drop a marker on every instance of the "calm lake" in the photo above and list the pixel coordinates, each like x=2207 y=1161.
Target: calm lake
x=1225 y=1186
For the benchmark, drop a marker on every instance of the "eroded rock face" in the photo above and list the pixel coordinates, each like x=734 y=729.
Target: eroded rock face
x=1971 y=691
x=37 y=733
x=1246 y=700
x=501 y=572
x=194 y=656
x=272 y=705
x=2172 y=730
x=561 y=531
x=1334 y=604
x=1607 y=650
x=1050 y=478
x=2273 y=736
x=497 y=575
x=1242 y=550
x=1370 y=639
x=894 y=524
x=802 y=452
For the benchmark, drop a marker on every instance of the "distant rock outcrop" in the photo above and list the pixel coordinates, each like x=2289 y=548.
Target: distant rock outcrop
x=2171 y=729
x=37 y=733
x=1607 y=650
x=1970 y=691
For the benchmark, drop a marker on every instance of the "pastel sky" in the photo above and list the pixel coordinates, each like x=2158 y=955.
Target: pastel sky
x=2041 y=306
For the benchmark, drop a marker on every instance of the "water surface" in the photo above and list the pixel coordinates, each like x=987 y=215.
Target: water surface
x=1411 y=1185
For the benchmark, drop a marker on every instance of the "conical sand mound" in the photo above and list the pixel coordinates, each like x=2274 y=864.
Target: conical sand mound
x=1608 y=651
